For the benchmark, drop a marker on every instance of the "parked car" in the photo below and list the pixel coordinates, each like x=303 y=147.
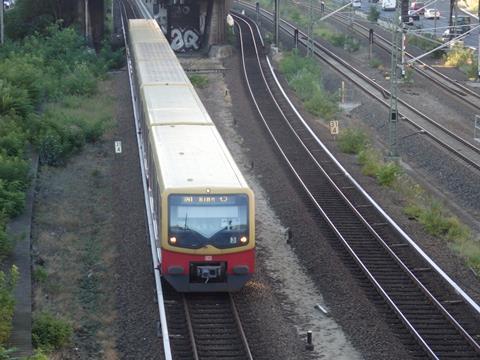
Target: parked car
x=419 y=7
x=357 y=4
x=462 y=23
x=432 y=14
x=446 y=34
x=389 y=5
x=406 y=20
x=7 y=4
x=414 y=15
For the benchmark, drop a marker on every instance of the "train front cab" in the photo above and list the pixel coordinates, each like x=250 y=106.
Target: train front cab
x=208 y=239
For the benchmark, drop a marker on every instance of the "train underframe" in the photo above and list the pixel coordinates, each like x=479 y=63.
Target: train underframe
x=208 y=273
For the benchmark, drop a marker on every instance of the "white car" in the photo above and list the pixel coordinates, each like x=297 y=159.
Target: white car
x=357 y=4
x=446 y=35
x=7 y=4
x=432 y=14
x=389 y=5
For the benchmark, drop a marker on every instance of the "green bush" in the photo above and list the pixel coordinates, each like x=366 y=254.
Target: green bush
x=376 y=63
x=352 y=141
x=40 y=274
x=14 y=169
x=388 y=173
x=302 y=83
x=6 y=242
x=373 y=14
x=426 y=42
x=7 y=302
x=435 y=221
x=338 y=40
x=50 y=333
x=303 y=75
x=323 y=104
x=199 y=81
x=81 y=81
x=23 y=72
x=13 y=137
x=351 y=44
x=38 y=355
x=369 y=160
x=14 y=100
x=12 y=198
x=111 y=59
x=5 y=354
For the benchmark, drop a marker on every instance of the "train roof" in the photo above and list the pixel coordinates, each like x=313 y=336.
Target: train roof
x=174 y=105
x=188 y=150
x=142 y=30
x=194 y=156
x=155 y=61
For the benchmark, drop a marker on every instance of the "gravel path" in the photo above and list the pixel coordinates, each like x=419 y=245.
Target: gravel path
x=136 y=309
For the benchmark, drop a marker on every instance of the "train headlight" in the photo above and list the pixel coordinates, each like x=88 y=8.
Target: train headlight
x=173 y=240
x=243 y=240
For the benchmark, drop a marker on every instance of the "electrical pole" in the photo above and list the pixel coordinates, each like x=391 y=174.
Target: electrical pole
x=277 y=20
x=310 y=31
x=402 y=50
x=393 y=115
x=450 y=20
x=2 y=40
x=478 y=55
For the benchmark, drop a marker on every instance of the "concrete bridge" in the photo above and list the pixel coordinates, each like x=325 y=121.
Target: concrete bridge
x=189 y=25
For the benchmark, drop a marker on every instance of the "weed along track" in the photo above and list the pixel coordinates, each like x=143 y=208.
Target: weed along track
x=443 y=322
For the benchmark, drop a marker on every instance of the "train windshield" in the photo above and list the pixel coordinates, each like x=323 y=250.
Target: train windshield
x=196 y=221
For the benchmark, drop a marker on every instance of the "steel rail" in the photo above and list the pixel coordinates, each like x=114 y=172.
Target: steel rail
x=452 y=86
x=148 y=198
x=190 y=328
x=337 y=232
x=363 y=81
x=458 y=290
x=240 y=327
x=216 y=313
x=451 y=82
x=387 y=298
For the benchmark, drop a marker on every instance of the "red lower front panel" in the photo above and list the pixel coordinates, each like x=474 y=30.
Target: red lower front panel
x=227 y=272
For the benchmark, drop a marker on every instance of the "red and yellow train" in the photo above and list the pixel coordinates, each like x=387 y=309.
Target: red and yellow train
x=202 y=207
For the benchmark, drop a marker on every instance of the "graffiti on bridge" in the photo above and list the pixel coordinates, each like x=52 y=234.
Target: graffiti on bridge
x=184 y=39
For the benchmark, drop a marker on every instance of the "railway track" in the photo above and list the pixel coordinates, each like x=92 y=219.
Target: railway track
x=453 y=87
x=464 y=150
x=205 y=326
x=440 y=317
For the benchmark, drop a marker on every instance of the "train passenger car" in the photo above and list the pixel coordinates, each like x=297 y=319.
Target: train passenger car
x=203 y=207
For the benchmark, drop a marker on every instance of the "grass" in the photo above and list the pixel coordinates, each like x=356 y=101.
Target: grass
x=427 y=42
x=373 y=14
x=199 y=81
x=79 y=290
x=440 y=223
x=50 y=333
x=376 y=64
x=352 y=141
x=304 y=76
x=8 y=281
x=435 y=219
x=462 y=58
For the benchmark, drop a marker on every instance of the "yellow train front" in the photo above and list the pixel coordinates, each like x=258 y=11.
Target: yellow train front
x=202 y=207
x=208 y=240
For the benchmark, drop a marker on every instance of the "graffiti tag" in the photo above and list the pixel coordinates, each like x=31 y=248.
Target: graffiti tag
x=185 y=39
